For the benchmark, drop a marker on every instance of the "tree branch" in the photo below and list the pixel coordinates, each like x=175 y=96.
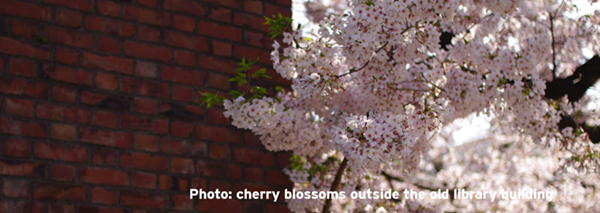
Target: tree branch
x=335 y=184
x=553 y=46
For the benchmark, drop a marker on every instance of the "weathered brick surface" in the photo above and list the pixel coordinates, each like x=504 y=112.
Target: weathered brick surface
x=99 y=107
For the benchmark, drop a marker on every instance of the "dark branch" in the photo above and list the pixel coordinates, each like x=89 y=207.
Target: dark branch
x=335 y=184
x=553 y=48
x=575 y=86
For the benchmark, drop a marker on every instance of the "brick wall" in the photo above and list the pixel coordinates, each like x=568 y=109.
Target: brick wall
x=99 y=109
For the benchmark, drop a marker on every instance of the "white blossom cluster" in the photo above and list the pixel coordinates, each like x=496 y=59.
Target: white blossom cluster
x=374 y=86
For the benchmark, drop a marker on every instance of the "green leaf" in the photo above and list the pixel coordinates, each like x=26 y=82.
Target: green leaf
x=261 y=73
x=279 y=89
x=369 y=3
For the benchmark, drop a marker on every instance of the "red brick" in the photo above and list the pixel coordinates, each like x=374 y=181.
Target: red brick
x=58 y=208
x=60 y=152
x=144 y=180
x=108 y=44
x=252 y=156
x=228 y=3
x=68 y=18
x=144 y=161
x=146 y=106
x=108 y=63
x=182 y=93
x=63 y=132
x=26 y=29
x=218 y=151
x=149 y=34
x=108 y=8
x=18 y=106
x=99 y=209
x=146 y=143
x=254 y=39
x=85 y=5
x=60 y=113
x=273 y=207
x=15 y=127
x=144 y=87
x=219 y=81
x=253 y=6
x=22 y=206
x=282 y=159
x=14 y=47
x=278 y=178
x=184 y=41
x=105 y=138
x=104 y=157
x=103 y=196
x=146 y=16
x=182 y=165
x=184 y=23
x=220 y=14
x=194 y=77
x=70 y=37
x=221 y=48
x=15 y=188
x=146 y=69
x=145 y=51
x=271 y=10
x=185 y=58
x=67 y=74
x=67 y=56
x=254 y=174
x=92 y=98
x=64 y=94
x=179 y=147
x=15 y=147
x=106 y=81
x=219 y=31
x=221 y=185
x=220 y=206
x=247 y=20
x=23 y=67
x=182 y=129
x=218 y=170
x=105 y=119
x=182 y=202
x=217 y=64
x=26 y=10
x=240 y=186
x=103 y=176
x=62 y=192
x=186 y=6
x=198 y=183
x=62 y=172
x=22 y=168
x=109 y=26
x=241 y=51
x=216 y=116
x=168 y=182
x=149 y=3
x=220 y=134
x=144 y=199
x=131 y=122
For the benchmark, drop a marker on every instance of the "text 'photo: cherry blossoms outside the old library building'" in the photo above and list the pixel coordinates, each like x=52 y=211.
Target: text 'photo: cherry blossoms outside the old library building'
x=310 y=106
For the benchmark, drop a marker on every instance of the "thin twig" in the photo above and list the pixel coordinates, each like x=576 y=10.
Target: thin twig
x=335 y=184
x=364 y=65
x=367 y=63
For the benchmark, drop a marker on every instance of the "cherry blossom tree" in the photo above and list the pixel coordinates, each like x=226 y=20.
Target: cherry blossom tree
x=373 y=88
